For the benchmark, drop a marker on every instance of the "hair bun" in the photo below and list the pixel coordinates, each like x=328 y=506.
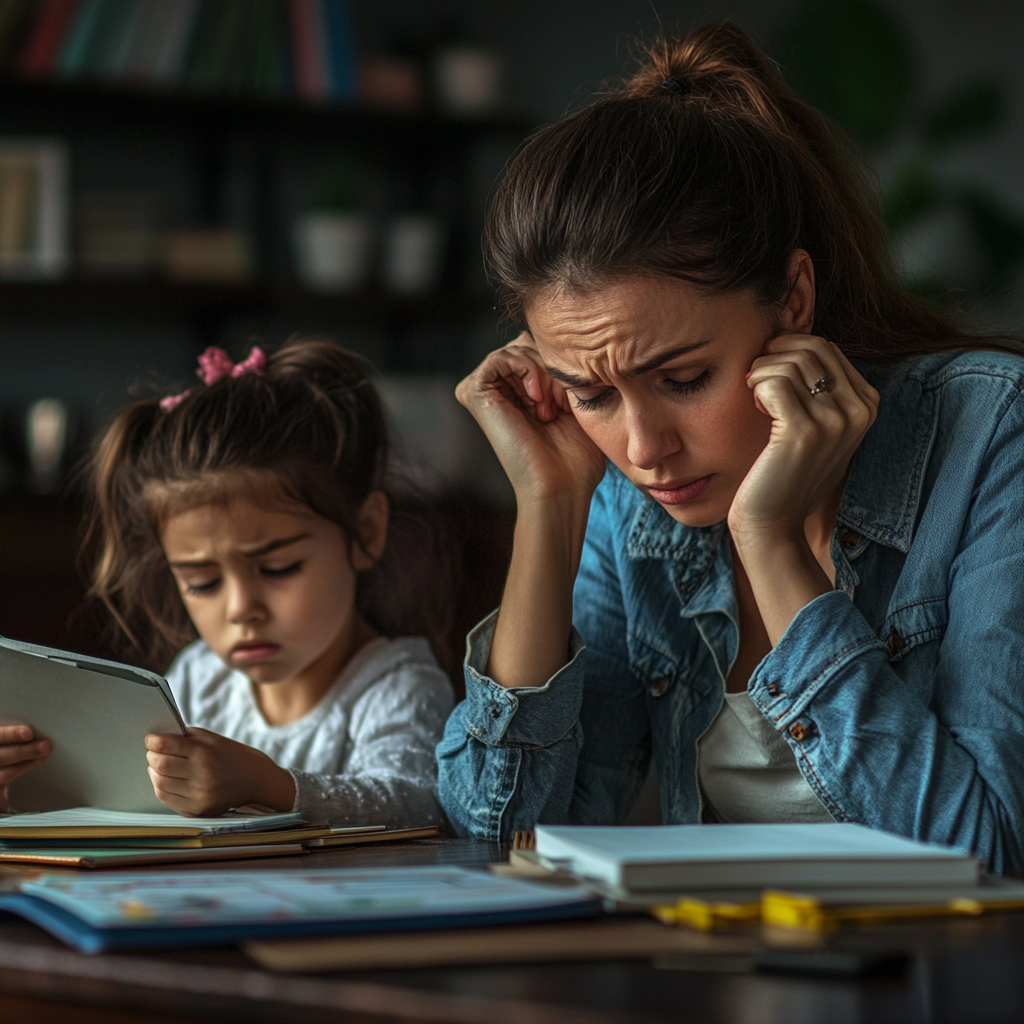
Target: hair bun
x=718 y=62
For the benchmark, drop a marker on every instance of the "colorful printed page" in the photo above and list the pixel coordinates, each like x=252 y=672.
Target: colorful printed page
x=199 y=898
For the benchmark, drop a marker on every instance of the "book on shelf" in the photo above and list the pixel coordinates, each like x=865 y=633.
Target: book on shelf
x=44 y=36
x=298 y=48
x=684 y=857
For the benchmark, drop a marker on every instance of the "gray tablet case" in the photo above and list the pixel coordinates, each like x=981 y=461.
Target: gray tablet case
x=96 y=715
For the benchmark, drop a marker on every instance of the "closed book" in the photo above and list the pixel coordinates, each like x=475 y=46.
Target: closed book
x=45 y=36
x=208 y=840
x=81 y=823
x=107 y=38
x=106 y=857
x=350 y=837
x=685 y=857
x=341 y=58
x=71 y=60
x=132 y=19
x=311 y=76
x=173 y=42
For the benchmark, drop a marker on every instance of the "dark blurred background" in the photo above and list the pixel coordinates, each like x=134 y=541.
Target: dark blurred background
x=181 y=173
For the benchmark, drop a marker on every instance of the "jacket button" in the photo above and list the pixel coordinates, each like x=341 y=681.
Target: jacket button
x=851 y=540
x=895 y=642
x=773 y=689
x=660 y=686
x=798 y=731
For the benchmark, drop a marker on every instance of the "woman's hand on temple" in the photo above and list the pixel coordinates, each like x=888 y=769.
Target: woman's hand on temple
x=20 y=752
x=528 y=420
x=813 y=438
x=554 y=469
x=204 y=774
x=821 y=408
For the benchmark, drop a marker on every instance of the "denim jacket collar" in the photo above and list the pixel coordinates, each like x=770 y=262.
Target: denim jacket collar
x=883 y=491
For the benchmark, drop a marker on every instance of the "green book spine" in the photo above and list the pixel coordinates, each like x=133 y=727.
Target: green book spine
x=71 y=60
x=108 y=38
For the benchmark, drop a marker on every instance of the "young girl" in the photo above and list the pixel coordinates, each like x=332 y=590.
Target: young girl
x=252 y=509
x=779 y=499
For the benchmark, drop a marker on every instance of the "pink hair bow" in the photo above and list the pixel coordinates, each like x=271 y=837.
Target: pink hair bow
x=214 y=364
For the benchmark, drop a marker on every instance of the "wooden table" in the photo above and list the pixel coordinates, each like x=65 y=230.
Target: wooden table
x=963 y=970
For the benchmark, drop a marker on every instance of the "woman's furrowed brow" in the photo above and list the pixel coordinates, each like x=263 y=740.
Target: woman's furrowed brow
x=576 y=381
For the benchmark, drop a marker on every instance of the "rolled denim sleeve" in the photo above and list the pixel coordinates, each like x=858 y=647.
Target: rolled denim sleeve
x=937 y=756
x=508 y=756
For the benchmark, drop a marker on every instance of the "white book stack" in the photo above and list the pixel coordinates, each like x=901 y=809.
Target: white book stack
x=693 y=858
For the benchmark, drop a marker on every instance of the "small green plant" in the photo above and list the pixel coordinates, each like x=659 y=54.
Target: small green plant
x=856 y=62
x=338 y=192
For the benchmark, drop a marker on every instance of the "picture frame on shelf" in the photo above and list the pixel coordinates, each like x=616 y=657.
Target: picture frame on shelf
x=33 y=209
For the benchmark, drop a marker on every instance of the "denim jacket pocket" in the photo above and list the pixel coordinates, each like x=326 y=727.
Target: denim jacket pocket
x=913 y=625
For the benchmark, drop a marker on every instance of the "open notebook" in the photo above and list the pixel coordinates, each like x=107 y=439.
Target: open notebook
x=96 y=714
x=127 y=911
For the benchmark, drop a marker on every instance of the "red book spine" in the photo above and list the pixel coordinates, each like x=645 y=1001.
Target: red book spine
x=44 y=39
x=309 y=80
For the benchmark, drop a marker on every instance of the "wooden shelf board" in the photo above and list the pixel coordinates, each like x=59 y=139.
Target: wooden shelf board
x=130 y=295
x=94 y=100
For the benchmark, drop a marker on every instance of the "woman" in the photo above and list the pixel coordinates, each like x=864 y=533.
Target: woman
x=799 y=582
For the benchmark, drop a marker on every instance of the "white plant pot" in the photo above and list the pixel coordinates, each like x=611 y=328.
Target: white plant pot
x=332 y=251
x=467 y=80
x=414 y=255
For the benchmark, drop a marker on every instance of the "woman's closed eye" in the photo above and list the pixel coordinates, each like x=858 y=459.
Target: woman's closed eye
x=689 y=387
x=678 y=387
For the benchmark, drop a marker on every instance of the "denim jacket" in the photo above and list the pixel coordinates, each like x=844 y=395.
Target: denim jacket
x=900 y=693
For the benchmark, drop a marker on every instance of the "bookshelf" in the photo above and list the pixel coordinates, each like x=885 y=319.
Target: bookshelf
x=227 y=158
x=440 y=148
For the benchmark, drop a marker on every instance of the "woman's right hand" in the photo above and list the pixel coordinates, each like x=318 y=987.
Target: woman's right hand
x=19 y=752
x=528 y=420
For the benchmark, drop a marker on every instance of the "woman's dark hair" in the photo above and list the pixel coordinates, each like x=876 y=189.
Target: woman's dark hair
x=705 y=167
x=310 y=428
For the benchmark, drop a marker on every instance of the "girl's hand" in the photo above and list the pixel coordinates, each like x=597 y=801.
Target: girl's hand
x=204 y=774
x=813 y=437
x=19 y=752
x=528 y=420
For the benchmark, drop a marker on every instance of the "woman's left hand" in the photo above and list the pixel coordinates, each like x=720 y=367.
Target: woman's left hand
x=204 y=774
x=813 y=436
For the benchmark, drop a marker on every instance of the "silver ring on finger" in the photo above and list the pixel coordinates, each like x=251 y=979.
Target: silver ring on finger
x=823 y=385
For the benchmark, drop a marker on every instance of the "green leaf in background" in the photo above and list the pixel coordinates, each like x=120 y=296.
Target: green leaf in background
x=852 y=59
x=967 y=112
x=911 y=193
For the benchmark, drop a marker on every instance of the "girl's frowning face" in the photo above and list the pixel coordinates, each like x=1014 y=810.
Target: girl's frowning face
x=270 y=589
x=655 y=369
